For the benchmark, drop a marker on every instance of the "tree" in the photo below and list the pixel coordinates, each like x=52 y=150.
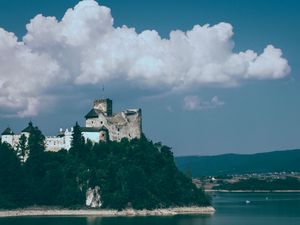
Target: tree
x=136 y=173
x=34 y=165
x=36 y=148
x=53 y=181
x=22 y=148
x=36 y=142
x=78 y=143
x=141 y=174
x=11 y=178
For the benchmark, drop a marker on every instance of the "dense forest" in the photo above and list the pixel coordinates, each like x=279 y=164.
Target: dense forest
x=267 y=162
x=137 y=173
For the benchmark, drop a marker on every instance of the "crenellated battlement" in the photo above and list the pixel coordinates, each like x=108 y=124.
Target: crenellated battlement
x=101 y=125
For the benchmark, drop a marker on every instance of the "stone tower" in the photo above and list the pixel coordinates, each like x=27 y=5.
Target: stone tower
x=104 y=105
x=125 y=124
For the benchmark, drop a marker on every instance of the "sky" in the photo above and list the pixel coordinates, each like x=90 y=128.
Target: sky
x=211 y=77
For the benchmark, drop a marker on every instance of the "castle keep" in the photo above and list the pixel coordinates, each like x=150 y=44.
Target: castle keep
x=101 y=124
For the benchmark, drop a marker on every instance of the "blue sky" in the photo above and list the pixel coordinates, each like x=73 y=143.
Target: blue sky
x=254 y=111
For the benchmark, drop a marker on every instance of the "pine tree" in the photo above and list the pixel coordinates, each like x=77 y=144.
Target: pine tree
x=22 y=148
x=78 y=143
x=11 y=178
x=36 y=142
x=35 y=165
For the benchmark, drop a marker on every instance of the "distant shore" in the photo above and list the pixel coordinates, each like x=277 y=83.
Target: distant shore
x=107 y=213
x=278 y=191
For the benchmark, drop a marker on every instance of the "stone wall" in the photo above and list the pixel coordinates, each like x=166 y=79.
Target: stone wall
x=126 y=124
x=56 y=143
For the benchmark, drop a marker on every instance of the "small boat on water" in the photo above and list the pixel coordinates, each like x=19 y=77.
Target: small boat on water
x=247 y=201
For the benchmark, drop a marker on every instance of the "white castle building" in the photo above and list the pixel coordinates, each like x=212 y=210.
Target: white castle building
x=101 y=124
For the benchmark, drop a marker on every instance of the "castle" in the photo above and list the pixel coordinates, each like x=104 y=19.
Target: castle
x=101 y=124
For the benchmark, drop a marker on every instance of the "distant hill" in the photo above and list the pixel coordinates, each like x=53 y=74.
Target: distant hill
x=276 y=161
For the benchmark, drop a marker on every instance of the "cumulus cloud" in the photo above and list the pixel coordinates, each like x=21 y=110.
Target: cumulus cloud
x=194 y=103
x=84 y=48
x=24 y=75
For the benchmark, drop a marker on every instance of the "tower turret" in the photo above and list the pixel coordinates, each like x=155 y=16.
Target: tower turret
x=104 y=105
x=7 y=136
x=28 y=129
x=7 y=131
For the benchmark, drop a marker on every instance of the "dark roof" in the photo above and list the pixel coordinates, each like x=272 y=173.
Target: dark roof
x=29 y=128
x=103 y=128
x=61 y=134
x=93 y=129
x=93 y=113
x=130 y=112
x=7 y=131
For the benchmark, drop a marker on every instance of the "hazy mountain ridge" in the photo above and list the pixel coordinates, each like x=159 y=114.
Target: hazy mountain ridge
x=275 y=161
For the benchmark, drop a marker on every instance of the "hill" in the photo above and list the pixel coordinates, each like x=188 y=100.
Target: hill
x=136 y=174
x=276 y=161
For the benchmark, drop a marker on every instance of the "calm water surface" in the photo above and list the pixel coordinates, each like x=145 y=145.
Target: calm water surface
x=232 y=209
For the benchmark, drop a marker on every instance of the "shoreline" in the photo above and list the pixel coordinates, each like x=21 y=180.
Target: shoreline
x=253 y=191
x=109 y=212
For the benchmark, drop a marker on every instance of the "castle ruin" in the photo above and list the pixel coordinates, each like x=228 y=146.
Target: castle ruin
x=101 y=124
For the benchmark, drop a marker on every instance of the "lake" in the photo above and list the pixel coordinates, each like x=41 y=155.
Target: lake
x=231 y=209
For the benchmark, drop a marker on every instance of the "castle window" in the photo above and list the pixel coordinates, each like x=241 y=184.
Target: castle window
x=101 y=122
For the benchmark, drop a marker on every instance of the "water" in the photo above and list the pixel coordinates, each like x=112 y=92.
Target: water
x=232 y=209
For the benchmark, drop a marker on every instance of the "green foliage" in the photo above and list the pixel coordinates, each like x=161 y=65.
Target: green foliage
x=22 y=148
x=276 y=161
x=11 y=178
x=136 y=173
x=36 y=142
x=35 y=166
x=142 y=175
x=78 y=143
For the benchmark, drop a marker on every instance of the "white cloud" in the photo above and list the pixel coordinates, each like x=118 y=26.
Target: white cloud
x=85 y=48
x=24 y=75
x=194 y=103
